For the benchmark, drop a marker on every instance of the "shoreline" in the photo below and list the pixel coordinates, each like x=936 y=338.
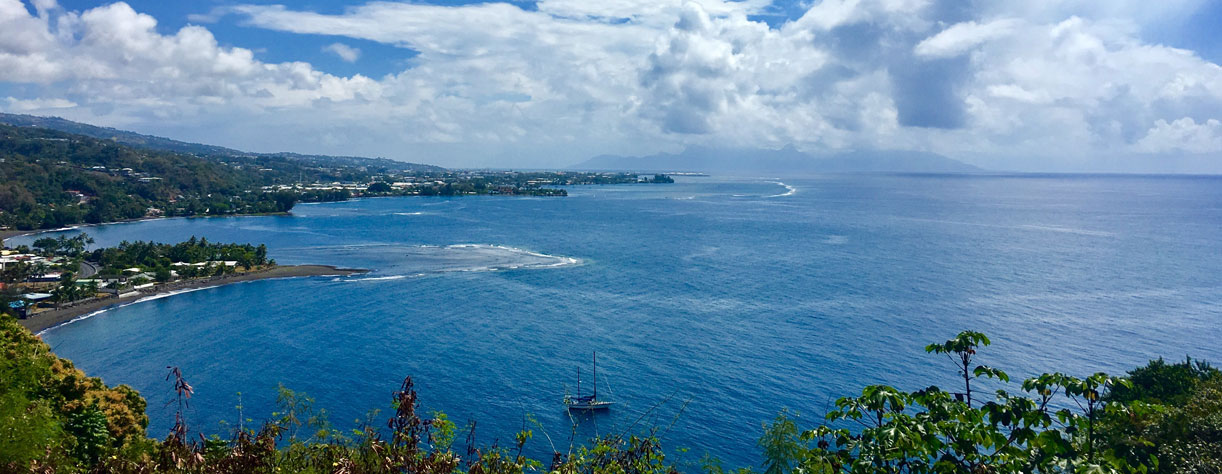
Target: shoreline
x=8 y=234
x=11 y=233
x=49 y=319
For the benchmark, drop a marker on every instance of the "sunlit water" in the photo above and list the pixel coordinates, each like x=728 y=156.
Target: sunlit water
x=712 y=303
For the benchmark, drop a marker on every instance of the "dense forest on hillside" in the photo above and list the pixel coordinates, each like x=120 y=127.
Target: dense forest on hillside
x=1161 y=418
x=52 y=179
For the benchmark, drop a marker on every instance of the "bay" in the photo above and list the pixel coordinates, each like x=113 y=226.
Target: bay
x=713 y=303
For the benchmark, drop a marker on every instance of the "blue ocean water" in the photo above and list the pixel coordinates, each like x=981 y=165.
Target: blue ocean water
x=713 y=303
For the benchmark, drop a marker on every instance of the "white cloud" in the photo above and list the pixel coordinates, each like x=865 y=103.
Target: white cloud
x=16 y=105
x=1183 y=135
x=115 y=54
x=345 y=52
x=1034 y=79
x=962 y=37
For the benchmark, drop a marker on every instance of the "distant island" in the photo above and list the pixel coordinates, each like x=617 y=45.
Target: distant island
x=785 y=161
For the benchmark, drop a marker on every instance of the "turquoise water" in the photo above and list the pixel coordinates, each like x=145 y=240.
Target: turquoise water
x=736 y=297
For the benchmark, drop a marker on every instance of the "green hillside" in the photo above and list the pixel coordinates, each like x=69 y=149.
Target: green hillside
x=51 y=179
x=218 y=153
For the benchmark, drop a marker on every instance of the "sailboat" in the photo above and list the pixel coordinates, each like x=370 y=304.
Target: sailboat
x=587 y=402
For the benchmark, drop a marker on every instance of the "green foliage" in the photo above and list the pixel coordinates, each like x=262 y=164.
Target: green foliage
x=780 y=444
x=53 y=179
x=159 y=257
x=53 y=418
x=67 y=289
x=53 y=415
x=63 y=245
x=1059 y=423
x=88 y=426
x=1160 y=382
x=378 y=188
x=29 y=428
x=296 y=411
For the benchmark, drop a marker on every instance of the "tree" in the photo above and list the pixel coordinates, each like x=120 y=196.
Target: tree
x=40 y=269
x=67 y=290
x=16 y=272
x=260 y=254
x=90 y=289
x=931 y=430
x=246 y=260
x=46 y=245
x=63 y=245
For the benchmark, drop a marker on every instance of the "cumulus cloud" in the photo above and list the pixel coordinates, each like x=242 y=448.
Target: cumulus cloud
x=116 y=53
x=962 y=37
x=345 y=52
x=37 y=105
x=1036 y=79
x=1183 y=135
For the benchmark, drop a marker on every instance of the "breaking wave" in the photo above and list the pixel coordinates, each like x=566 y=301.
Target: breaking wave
x=397 y=262
x=789 y=190
x=484 y=257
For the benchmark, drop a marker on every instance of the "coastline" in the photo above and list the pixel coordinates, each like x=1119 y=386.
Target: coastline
x=8 y=234
x=48 y=319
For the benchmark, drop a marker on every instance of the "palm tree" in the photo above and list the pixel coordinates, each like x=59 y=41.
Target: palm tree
x=67 y=290
x=40 y=269
x=91 y=289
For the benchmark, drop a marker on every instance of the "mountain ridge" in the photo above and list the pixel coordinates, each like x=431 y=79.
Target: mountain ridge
x=139 y=140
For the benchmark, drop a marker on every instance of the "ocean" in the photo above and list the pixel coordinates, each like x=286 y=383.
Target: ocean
x=712 y=303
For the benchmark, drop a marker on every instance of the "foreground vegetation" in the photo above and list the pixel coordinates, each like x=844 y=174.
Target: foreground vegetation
x=1161 y=418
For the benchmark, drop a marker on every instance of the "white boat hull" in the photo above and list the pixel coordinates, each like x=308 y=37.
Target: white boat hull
x=589 y=406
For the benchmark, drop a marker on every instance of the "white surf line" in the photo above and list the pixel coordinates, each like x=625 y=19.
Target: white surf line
x=129 y=303
x=789 y=190
x=562 y=259
x=167 y=294
x=379 y=278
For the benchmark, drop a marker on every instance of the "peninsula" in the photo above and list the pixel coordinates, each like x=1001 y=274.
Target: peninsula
x=58 y=280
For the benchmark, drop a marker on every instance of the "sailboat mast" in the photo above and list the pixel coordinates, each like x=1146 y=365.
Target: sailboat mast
x=579 y=381
x=596 y=376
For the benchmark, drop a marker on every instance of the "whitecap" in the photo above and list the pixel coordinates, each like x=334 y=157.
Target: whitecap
x=789 y=190
x=1067 y=230
x=469 y=257
x=378 y=278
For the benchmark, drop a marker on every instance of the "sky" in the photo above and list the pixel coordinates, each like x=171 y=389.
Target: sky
x=1035 y=85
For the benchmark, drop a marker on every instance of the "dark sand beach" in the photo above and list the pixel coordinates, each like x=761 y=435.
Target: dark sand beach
x=47 y=319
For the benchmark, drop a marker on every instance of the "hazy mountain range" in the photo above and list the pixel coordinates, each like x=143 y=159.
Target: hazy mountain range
x=786 y=160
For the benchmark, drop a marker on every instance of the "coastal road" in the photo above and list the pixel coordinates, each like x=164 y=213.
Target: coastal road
x=87 y=270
